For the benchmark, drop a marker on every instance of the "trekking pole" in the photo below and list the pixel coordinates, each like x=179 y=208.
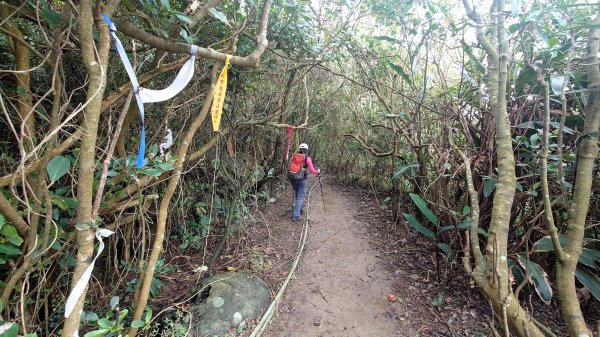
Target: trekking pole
x=321 y=188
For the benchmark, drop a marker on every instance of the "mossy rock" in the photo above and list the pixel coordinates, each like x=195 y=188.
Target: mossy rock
x=228 y=302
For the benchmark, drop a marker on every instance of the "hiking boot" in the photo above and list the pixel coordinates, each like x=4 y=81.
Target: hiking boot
x=294 y=219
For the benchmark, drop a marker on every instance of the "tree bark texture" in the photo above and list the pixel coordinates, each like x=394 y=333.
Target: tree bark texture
x=95 y=59
x=587 y=153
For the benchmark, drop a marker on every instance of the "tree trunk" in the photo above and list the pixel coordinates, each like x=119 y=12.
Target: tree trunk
x=586 y=155
x=96 y=68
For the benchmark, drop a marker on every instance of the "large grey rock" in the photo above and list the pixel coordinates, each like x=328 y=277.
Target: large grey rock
x=233 y=300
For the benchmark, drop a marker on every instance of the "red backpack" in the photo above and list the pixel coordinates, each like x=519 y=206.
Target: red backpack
x=296 y=170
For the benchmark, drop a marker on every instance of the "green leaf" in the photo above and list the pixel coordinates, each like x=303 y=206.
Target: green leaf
x=590 y=281
x=114 y=301
x=219 y=16
x=123 y=314
x=104 y=322
x=9 y=249
x=30 y=335
x=488 y=187
x=588 y=257
x=138 y=324
x=166 y=167
x=11 y=235
x=2 y=222
x=49 y=15
x=151 y=172
x=539 y=278
x=12 y=331
x=469 y=51
x=386 y=38
x=444 y=247
x=96 y=333
x=165 y=4
x=148 y=314
x=58 y=167
x=184 y=18
x=402 y=169
x=21 y=91
x=418 y=226
x=9 y=231
x=401 y=72
x=424 y=209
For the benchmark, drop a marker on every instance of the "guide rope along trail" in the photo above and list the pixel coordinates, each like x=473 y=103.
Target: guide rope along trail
x=262 y=324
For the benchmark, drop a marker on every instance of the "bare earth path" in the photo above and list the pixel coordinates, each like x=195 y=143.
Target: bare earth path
x=340 y=288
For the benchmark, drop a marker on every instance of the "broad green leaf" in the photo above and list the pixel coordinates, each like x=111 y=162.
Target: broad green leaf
x=123 y=314
x=444 y=247
x=402 y=169
x=21 y=91
x=114 y=301
x=104 y=323
x=418 y=226
x=138 y=324
x=488 y=187
x=96 y=333
x=9 y=249
x=219 y=16
x=148 y=314
x=165 y=4
x=401 y=72
x=58 y=167
x=588 y=257
x=151 y=172
x=9 y=231
x=590 y=281
x=539 y=278
x=424 y=209
x=166 y=167
x=11 y=235
x=2 y=219
x=49 y=15
x=12 y=331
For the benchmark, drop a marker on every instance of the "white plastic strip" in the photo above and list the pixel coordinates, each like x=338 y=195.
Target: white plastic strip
x=87 y=274
x=143 y=95
x=181 y=81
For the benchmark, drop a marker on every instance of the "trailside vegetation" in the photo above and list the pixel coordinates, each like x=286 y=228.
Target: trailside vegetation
x=475 y=123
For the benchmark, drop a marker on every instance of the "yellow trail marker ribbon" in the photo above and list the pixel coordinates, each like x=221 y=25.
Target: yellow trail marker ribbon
x=219 y=97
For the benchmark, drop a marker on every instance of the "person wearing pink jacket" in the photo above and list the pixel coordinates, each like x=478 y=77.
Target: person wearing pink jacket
x=299 y=186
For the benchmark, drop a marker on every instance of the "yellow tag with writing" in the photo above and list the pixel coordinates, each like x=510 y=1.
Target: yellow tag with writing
x=219 y=97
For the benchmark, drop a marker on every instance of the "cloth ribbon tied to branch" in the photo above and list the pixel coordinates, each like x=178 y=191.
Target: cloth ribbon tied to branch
x=79 y=287
x=144 y=95
x=219 y=97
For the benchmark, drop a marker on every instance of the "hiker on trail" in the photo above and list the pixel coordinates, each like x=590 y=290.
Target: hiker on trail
x=298 y=177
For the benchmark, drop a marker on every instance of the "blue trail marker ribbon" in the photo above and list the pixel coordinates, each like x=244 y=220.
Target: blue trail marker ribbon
x=143 y=95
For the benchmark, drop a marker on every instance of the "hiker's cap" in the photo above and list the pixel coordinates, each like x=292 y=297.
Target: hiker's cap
x=304 y=146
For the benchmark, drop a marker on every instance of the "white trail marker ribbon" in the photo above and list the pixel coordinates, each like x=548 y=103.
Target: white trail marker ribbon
x=85 y=277
x=143 y=95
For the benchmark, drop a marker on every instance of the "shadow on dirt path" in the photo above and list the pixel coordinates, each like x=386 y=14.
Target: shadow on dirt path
x=340 y=288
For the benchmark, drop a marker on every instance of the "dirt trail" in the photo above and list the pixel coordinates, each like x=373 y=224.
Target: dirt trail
x=340 y=288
